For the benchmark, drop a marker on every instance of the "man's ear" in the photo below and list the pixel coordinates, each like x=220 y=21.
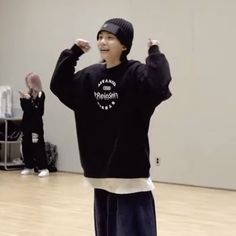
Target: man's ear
x=124 y=48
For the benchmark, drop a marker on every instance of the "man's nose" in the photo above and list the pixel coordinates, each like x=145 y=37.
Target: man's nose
x=103 y=41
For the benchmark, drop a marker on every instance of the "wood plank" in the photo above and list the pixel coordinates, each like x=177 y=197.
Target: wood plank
x=62 y=205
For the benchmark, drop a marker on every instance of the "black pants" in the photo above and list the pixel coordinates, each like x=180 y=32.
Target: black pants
x=33 y=149
x=124 y=214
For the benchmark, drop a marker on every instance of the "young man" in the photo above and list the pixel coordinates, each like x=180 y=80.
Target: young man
x=113 y=103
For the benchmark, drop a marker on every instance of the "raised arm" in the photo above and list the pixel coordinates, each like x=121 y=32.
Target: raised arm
x=63 y=82
x=154 y=76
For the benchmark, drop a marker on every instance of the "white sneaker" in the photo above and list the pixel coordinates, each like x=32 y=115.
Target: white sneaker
x=27 y=171
x=43 y=173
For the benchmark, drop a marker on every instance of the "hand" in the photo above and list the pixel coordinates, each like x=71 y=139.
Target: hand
x=21 y=94
x=83 y=44
x=152 y=42
x=24 y=95
x=27 y=96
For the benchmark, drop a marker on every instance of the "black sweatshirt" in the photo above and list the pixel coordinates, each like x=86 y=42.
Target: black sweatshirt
x=33 y=110
x=112 y=110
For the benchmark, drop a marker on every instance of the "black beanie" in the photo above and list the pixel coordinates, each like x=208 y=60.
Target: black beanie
x=122 y=29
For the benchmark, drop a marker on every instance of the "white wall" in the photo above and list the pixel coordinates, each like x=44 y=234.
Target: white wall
x=193 y=133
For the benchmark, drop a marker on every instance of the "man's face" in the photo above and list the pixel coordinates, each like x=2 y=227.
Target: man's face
x=109 y=46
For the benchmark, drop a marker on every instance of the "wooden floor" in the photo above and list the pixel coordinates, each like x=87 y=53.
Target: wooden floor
x=62 y=205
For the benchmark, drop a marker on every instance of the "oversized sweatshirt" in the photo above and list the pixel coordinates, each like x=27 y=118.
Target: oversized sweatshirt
x=112 y=108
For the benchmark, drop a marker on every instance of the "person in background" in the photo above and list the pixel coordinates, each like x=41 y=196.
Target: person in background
x=33 y=145
x=113 y=103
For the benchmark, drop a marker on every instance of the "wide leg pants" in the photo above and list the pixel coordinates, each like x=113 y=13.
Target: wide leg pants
x=124 y=214
x=34 y=151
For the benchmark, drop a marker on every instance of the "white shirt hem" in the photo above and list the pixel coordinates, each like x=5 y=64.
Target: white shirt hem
x=122 y=185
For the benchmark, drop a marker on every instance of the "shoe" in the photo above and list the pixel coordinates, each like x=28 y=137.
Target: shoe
x=44 y=173
x=27 y=171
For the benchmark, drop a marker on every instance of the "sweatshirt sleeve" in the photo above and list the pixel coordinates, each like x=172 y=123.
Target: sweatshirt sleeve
x=63 y=82
x=40 y=104
x=26 y=105
x=154 y=77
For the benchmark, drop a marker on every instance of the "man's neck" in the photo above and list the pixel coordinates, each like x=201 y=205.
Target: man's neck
x=110 y=64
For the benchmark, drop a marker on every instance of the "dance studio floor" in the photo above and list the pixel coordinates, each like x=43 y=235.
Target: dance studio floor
x=62 y=205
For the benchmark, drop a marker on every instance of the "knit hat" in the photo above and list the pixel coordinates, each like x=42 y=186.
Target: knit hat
x=122 y=29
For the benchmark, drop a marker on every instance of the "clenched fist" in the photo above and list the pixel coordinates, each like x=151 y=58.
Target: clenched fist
x=83 y=44
x=152 y=42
